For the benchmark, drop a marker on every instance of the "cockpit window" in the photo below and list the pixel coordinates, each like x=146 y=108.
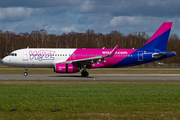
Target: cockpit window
x=13 y=54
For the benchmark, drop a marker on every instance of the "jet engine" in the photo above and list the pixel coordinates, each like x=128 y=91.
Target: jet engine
x=65 y=68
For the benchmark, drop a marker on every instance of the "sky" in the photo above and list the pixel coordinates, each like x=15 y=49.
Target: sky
x=102 y=16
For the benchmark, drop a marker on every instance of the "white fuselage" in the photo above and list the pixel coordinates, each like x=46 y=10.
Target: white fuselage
x=41 y=57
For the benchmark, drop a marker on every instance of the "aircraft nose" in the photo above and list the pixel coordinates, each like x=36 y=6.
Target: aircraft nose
x=4 y=61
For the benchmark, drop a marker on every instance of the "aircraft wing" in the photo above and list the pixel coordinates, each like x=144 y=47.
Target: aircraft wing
x=91 y=60
x=158 y=55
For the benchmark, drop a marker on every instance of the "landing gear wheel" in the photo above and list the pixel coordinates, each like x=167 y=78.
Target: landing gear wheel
x=25 y=73
x=84 y=73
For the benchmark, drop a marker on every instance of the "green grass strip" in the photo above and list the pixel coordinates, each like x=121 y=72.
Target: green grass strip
x=89 y=100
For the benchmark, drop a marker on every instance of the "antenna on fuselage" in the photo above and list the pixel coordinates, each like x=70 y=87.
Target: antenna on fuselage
x=28 y=47
x=103 y=48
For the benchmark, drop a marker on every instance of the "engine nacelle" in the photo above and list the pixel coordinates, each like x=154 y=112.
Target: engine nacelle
x=65 y=68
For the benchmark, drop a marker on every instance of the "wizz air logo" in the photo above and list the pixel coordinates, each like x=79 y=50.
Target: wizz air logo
x=119 y=52
x=41 y=55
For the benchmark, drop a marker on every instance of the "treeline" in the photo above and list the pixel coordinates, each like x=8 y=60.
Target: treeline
x=10 y=41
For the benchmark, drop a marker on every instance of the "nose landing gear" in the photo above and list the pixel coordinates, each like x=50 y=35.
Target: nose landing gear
x=26 y=73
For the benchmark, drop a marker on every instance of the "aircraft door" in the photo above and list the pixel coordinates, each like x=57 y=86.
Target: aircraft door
x=140 y=55
x=25 y=55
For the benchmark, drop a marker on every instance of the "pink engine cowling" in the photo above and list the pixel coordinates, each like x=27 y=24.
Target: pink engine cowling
x=66 y=68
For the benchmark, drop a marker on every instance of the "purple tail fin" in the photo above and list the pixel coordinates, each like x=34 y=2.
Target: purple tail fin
x=160 y=38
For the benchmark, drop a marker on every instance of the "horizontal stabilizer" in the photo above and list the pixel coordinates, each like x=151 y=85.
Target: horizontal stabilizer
x=158 y=55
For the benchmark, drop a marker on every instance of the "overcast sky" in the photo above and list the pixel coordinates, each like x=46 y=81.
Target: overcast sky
x=103 y=16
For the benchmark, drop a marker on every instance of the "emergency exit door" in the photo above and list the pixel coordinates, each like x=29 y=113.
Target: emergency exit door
x=25 y=55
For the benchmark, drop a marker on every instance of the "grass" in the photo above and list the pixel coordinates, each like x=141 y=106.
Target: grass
x=89 y=100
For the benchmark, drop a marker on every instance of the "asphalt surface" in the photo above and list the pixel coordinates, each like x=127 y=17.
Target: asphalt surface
x=11 y=68
x=91 y=77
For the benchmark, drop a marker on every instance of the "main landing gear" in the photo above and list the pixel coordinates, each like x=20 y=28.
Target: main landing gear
x=26 y=73
x=84 y=73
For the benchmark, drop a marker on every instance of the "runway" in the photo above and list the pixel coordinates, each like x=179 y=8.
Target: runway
x=92 y=77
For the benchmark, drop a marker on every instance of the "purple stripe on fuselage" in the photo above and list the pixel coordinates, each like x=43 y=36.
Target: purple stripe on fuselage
x=119 y=55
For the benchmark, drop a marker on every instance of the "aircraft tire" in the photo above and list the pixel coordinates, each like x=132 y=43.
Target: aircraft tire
x=84 y=73
x=25 y=73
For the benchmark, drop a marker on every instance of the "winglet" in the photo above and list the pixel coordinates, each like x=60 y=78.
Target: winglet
x=113 y=51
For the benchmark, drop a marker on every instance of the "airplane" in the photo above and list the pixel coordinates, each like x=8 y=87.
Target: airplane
x=73 y=60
